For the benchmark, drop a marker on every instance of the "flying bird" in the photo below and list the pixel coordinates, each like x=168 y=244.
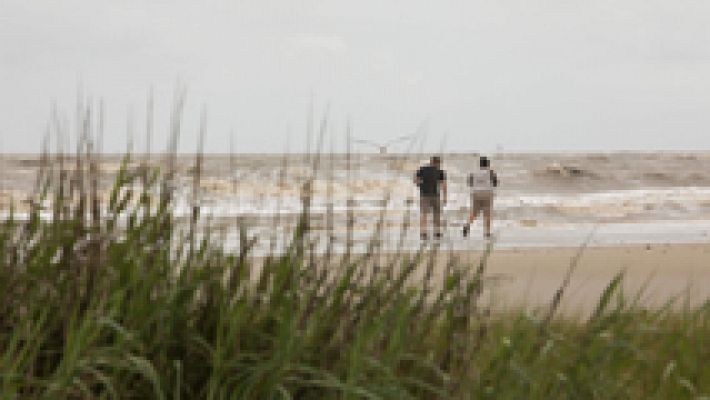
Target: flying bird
x=383 y=146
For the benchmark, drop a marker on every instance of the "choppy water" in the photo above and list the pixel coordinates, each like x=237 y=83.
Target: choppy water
x=544 y=199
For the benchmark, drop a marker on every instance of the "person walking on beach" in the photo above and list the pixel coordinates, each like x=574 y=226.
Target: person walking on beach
x=431 y=180
x=482 y=183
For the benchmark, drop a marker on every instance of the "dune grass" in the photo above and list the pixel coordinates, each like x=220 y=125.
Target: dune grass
x=118 y=299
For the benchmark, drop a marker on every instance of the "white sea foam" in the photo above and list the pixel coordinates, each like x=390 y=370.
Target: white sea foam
x=551 y=198
x=658 y=202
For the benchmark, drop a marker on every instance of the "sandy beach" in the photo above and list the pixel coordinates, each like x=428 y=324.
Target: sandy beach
x=529 y=277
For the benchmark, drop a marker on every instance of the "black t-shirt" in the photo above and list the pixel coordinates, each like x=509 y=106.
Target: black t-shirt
x=430 y=177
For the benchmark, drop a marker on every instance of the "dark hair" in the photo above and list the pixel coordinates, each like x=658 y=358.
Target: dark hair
x=484 y=162
x=436 y=160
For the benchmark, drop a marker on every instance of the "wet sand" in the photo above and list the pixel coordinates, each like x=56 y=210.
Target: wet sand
x=530 y=277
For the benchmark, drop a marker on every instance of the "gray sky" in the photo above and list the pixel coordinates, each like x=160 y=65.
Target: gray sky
x=524 y=74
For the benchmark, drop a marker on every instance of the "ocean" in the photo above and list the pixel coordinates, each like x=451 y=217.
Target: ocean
x=544 y=200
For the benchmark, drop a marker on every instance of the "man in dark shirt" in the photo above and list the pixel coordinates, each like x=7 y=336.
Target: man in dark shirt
x=431 y=180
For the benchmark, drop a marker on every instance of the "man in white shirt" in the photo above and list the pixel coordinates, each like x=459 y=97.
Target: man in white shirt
x=482 y=183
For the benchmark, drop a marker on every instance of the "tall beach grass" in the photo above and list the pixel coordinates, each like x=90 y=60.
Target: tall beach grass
x=116 y=298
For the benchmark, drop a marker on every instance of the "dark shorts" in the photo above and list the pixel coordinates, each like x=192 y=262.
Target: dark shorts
x=429 y=204
x=482 y=202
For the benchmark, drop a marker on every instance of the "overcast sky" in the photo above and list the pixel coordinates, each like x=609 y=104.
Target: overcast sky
x=522 y=74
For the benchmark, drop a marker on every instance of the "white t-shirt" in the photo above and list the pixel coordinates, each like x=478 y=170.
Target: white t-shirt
x=481 y=181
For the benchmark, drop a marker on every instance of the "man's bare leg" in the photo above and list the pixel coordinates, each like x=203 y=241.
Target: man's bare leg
x=437 y=224
x=487 y=228
x=471 y=219
x=422 y=225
